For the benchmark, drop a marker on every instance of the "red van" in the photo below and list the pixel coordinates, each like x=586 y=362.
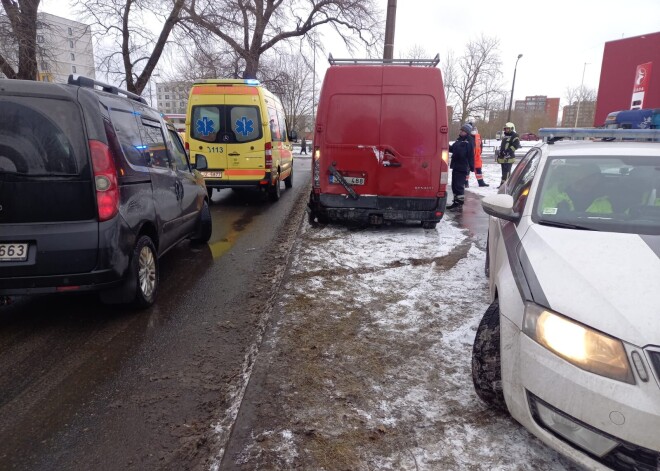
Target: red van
x=380 y=143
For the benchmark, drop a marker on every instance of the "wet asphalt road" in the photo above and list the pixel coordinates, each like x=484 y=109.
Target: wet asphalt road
x=87 y=386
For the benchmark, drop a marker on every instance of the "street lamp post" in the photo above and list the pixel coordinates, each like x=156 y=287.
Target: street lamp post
x=580 y=95
x=508 y=118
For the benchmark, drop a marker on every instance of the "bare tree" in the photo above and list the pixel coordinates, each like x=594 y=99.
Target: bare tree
x=478 y=75
x=20 y=31
x=574 y=95
x=252 y=27
x=208 y=63
x=290 y=77
x=129 y=50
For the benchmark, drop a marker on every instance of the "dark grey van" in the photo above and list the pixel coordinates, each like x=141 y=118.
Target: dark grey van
x=94 y=188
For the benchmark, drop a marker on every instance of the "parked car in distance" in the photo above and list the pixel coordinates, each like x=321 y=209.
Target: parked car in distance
x=570 y=344
x=94 y=188
x=239 y=127
x=529 y=136
x=380 y=144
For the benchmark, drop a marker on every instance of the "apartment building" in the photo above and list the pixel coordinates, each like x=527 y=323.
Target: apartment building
x=584 y=113
x=540 y=105
x=172 y=97
x=64 y=47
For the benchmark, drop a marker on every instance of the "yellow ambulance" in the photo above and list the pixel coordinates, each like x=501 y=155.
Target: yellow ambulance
x=240 y=128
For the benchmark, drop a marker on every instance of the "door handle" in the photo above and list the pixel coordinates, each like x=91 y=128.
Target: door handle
x=178 y=190
x=234 y=154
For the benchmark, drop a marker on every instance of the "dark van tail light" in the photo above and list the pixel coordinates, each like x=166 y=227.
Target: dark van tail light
x=105 y=180
x=269 y=155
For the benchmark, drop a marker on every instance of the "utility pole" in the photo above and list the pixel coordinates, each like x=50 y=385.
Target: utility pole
x=580 y=95
x=388 y=53
x=508 y=117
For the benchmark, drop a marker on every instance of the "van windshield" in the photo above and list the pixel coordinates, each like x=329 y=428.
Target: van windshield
x=226 y=123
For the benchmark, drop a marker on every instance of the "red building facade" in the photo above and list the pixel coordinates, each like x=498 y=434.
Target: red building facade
x=620 y=74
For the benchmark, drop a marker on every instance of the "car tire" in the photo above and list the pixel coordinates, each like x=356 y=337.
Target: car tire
x=141 y=284
x=288 y=181
x=486 y=359
x=204 y=225
x=429 y=224
x=275 y=191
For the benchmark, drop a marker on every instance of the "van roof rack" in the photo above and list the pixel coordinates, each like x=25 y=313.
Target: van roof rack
x=411 y=62
x=87 y=82
x=555 y=134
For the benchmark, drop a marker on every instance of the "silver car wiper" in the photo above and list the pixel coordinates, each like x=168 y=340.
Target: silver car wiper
x=565 y=225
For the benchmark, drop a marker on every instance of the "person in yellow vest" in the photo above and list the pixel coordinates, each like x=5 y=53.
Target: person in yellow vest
x=556 y=199
x=507 y=154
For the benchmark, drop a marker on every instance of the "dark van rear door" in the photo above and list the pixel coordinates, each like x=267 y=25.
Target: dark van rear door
x=47 y=196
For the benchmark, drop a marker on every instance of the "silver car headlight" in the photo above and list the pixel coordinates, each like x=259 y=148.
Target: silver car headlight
x=578 y=344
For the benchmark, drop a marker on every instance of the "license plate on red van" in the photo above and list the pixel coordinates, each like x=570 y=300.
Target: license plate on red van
x=349 y=180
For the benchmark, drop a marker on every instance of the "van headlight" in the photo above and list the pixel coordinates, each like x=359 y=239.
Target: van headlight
x=582 y=346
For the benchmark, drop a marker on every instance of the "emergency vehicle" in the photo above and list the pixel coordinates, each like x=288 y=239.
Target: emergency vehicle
x=570 y=344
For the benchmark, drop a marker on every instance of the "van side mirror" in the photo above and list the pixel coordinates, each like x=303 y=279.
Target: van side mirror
x=293 y=136
x=200 y=162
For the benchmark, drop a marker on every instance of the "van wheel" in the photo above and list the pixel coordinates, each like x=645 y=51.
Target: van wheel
x=486 y=359
x=141 y=284
x=275 y=190
x=429 y=224
x=204 y=225
x=209 y=191
x=288 y=181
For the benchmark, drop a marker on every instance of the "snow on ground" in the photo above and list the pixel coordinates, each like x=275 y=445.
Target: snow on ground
x=372 y=362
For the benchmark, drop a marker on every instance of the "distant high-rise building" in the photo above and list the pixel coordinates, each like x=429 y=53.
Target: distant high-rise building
x=64 y=48
x=172 y=97
x=540 y=105
x=585 y=118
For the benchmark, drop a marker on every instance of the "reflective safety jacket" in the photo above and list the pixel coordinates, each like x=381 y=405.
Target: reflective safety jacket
x=601 y=205
x=478 y=147
x=510 y=143
x=554 y=197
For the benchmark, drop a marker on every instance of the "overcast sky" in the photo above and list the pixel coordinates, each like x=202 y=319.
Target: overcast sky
x=556 y=38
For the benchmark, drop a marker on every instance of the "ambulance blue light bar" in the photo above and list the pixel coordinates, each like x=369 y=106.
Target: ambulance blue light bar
x=252 y=82
x=553 y=134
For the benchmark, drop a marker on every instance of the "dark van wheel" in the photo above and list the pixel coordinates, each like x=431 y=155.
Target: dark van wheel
x=141 y=284
x=288 y=181
x=204 y=225
x=486 y=360
x=429 y=224
x=275 y=191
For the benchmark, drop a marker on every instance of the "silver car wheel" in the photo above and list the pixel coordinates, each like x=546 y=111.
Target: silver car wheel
x=147 y=271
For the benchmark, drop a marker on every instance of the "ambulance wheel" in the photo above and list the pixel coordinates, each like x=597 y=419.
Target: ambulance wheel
x=429 y=224
x=486 y=359
x=288 y=181
x=275 y=191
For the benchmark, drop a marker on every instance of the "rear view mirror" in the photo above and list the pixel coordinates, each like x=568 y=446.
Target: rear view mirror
x=200 y=162
x=293 y=136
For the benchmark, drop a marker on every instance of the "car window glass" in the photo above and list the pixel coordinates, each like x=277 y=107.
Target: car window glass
x=244 y=122
x=521 y=188
x=154 y=144
x=128 y=132
x=205 y=124
x=40 y=137
x=282 y=121
x=517 y=172
x=177 y=151
x=273 y=122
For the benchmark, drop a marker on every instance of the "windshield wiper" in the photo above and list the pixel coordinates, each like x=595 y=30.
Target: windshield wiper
x=565 y=225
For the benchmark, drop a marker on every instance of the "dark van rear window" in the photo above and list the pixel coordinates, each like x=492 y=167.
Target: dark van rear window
x=230 y=124
x=40 y=137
